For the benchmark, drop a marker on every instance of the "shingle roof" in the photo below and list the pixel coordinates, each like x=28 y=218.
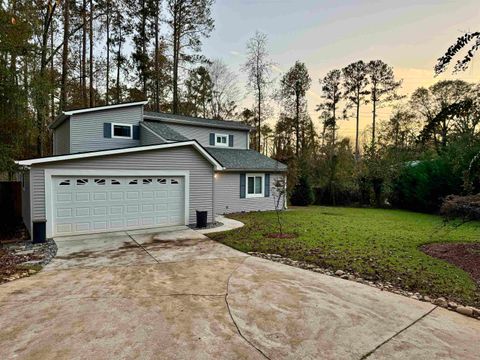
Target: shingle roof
x=164 y=131
x=245 y=159
x=226 y=124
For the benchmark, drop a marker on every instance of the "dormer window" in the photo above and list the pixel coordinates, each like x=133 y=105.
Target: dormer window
x=122 y=131
x=221 y=140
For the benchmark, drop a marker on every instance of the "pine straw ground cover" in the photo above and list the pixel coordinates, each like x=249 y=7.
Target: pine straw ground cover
x=376 y=244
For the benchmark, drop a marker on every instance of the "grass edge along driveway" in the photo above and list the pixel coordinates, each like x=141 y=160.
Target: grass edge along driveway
x=376 y=244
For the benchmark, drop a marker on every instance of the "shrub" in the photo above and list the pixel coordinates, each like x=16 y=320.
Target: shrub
x=421 y=186
x=302 y=193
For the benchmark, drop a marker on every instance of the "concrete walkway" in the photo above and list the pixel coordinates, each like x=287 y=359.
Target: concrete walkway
x=227 y=224
x=179 y=295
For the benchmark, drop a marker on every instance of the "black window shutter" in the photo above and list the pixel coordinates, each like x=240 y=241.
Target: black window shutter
x=136 y=132
x=242 y=185
x=267 y=185
x=212 y=139
x=230 y=140
x=107 y=130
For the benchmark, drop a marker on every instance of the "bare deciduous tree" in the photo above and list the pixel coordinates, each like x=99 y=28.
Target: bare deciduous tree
x=258 y=67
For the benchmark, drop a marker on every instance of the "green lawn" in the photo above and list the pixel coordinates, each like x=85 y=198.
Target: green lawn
x=375 y=243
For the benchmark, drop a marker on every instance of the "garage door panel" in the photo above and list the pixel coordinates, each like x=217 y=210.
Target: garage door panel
x=100 y=211
x=116 y=195
x=64 y=213
x=64 y=197
x=99 y=196
x=84 y=211
x=82 y=196
x=92 y=204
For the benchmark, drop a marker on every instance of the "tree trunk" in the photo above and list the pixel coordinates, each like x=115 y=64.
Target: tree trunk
x=176 y=52
x=157 y=55
x=374 y=114
x=52 y=79
x=107 y=90
x=90 y=72
x=297 y=123
x=84 y=55
x=66 y=31
x=41 y=98
x=357 y=149
x=119 y=64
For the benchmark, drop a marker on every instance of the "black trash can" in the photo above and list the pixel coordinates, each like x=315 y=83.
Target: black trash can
x=202 y=219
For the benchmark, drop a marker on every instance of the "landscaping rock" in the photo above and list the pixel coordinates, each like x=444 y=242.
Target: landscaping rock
x=476 y=312
x=452 y=305
x=339 y=272
x=465 y=310
x=441 y=302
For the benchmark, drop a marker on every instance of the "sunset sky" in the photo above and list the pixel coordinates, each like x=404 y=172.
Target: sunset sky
x=409 y=35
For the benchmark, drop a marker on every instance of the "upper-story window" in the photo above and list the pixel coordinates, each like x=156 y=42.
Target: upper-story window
x=122 y=131
x=221 y=140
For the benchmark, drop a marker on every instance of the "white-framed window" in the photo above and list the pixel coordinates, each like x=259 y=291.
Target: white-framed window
x=122 y=131
x=221 y=140
x=255 y=185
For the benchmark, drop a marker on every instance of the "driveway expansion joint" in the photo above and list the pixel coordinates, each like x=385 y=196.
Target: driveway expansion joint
x=367 y=355
x=231 y=315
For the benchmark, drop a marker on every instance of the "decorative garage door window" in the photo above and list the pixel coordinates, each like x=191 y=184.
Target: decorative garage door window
x=116 y=203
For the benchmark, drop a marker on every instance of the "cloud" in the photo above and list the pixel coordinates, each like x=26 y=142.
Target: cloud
x=234 y=53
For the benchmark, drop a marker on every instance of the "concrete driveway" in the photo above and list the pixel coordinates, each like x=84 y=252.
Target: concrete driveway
x=179 y=295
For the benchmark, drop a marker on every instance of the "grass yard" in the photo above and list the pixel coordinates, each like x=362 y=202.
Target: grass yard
x=375 y=243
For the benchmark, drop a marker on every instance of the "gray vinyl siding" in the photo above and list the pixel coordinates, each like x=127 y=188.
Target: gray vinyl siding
x=202 y=134
x=37 y=187
x=61 y=139
x=184 y=158
x=86 y=130
x=148 y=138
x=26 y=202
x=227 y=195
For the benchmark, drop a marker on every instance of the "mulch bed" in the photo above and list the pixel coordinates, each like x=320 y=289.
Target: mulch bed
x=465 y=256
x=9 y=263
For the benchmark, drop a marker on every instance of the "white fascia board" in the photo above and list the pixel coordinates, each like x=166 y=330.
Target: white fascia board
x=100 y=108
x=193 y=143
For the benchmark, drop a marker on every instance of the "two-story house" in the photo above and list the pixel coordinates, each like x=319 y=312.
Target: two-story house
x=119 y=167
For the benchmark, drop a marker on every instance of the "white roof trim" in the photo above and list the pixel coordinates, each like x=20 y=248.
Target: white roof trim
x=100 y=108
x=193 y=143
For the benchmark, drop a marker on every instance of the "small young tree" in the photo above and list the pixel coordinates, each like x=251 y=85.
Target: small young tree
x=279 y=192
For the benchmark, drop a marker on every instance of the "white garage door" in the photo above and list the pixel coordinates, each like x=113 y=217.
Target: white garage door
x=92 y=204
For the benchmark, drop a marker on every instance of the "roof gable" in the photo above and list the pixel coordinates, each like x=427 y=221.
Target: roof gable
x=195 y=144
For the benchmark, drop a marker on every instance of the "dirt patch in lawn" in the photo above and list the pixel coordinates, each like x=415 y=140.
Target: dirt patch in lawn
x=465 y=256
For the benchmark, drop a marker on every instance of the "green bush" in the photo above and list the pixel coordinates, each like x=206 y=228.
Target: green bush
x=423 y=185
x=302 y=193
